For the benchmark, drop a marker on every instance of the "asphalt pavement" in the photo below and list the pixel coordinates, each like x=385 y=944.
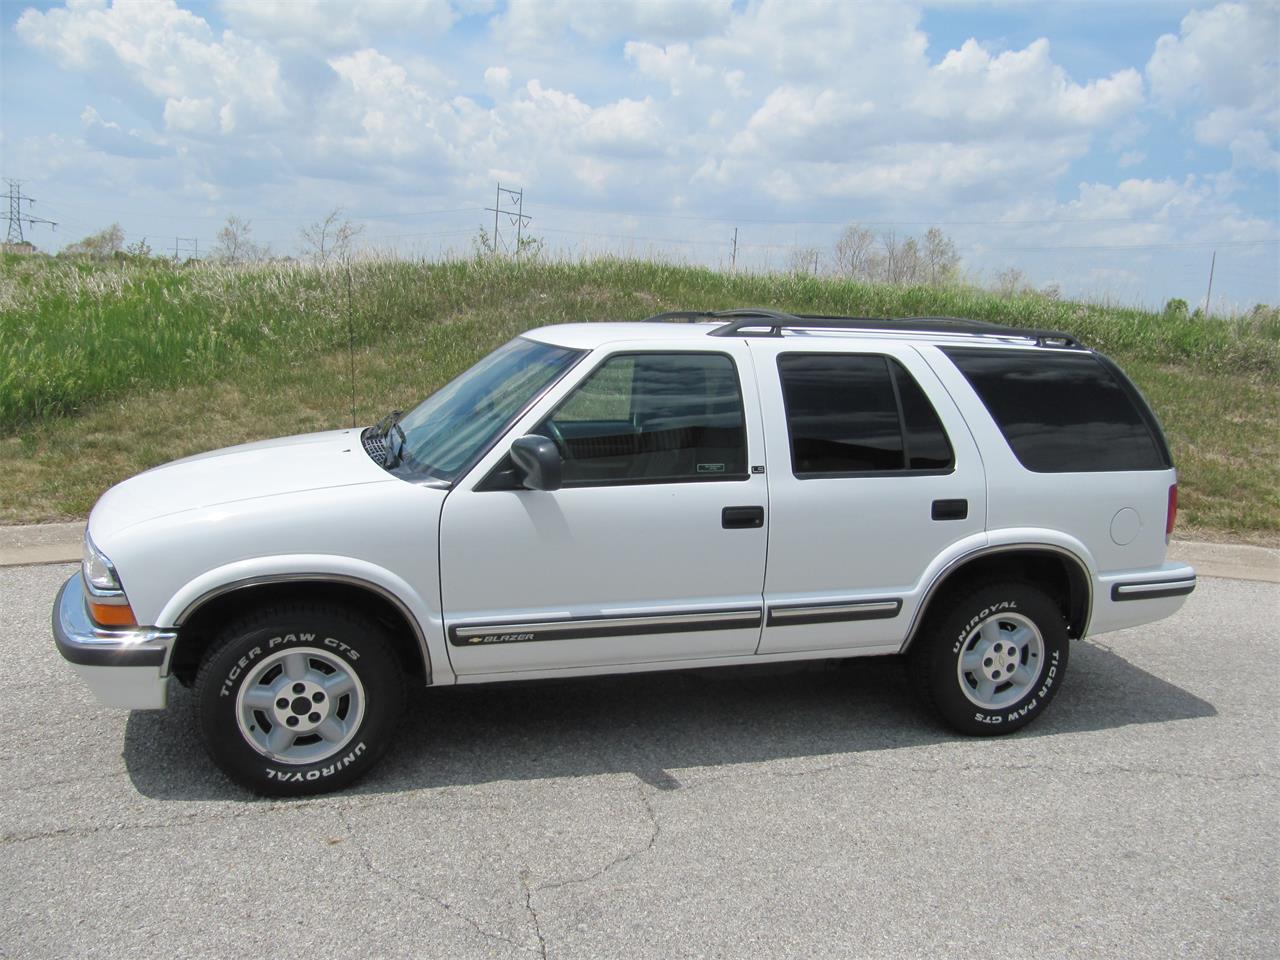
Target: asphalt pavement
x=759 y=812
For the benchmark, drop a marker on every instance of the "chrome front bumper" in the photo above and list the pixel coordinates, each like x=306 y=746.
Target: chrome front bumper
x=123 y=666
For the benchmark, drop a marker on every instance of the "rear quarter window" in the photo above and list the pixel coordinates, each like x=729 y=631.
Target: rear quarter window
x=1064 y=412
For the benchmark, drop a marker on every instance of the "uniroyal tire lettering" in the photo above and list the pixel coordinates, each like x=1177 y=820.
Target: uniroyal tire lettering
x=297 y=776
x=986 y=612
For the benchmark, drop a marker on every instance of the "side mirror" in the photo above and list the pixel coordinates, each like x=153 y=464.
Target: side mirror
x=539 y=461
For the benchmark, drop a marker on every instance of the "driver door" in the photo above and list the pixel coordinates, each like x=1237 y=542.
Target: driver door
x=653 y=549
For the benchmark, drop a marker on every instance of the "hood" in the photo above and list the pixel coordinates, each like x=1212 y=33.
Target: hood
x=268 y=468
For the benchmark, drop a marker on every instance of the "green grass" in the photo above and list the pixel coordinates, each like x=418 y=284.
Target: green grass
x=108 y=369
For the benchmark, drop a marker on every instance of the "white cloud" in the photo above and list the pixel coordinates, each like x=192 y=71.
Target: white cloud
x=1225 y=62
x=109 y=137
x=337 y=23
x=1024 y=88
x=191 y=114
x=674 y=65
x=627 y=128
x=165 y=50
x=497 y=80
x=533 y=24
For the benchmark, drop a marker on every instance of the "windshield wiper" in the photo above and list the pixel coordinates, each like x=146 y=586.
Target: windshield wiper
x=388 y=430
x=395 y=445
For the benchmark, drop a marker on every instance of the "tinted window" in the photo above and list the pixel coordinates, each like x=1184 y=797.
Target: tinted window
x=927 y=445
x=1061 y=412
x=846 y=414
x=654 y=418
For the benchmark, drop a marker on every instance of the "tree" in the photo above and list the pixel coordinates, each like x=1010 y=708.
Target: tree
x=805 y=260
x=1011 y=281
x=331 y=237
x=235 y=242
x=141 y=249
x=852 y=254
x=941 y=261
x=1175 y=308
x=100 y=245
x=888 y=258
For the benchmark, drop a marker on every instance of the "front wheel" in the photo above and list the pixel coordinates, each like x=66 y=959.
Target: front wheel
x=990 y=662
x=299 y=699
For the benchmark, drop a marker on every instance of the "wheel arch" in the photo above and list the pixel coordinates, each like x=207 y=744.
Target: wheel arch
x=200 y=620
x=1062 y=574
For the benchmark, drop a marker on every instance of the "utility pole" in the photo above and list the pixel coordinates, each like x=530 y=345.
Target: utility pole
x=1212 y=263
x=188 y=245
x=16 y=216
x=514 y=212
x=733 y=259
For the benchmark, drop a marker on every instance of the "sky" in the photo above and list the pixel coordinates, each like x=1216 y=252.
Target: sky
x=1109 y=148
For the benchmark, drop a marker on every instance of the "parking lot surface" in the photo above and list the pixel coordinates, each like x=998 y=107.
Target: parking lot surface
x=806 y=811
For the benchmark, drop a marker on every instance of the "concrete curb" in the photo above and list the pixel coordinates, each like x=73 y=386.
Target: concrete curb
x=60 y=543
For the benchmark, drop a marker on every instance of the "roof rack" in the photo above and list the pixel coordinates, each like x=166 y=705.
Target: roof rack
x=695 y=316
x=760 y=322
x=773 y=327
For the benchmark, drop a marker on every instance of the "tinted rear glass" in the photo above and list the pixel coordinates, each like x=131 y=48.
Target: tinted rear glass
x=1062 y=412
x=844 y=417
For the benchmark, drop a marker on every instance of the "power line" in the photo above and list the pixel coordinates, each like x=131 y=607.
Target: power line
x=871 y=223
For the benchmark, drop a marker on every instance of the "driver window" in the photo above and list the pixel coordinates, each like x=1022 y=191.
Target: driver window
x=653 y=418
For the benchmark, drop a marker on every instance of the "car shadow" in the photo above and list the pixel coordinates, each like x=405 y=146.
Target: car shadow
x=651 y=724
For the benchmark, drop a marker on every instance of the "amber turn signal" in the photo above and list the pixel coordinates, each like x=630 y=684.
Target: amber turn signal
x=112 y=614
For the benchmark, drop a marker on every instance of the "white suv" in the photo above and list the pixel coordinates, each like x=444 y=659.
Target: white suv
x=708 y=489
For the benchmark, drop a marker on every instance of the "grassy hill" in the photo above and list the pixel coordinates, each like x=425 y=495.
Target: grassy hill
x=106 y=369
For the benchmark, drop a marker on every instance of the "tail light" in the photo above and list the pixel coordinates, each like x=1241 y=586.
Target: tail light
x=1172 y=514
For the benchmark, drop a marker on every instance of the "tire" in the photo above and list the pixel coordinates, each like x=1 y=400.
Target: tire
x=990 y=661
x=299 y=699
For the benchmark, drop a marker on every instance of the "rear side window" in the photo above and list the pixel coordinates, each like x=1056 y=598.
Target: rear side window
x=1064 y=413
x=858 y=414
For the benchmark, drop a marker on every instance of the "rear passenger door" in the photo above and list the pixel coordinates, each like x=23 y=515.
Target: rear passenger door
x=872 y=475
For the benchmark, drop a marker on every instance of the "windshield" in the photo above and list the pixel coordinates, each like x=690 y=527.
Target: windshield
x=448 y=429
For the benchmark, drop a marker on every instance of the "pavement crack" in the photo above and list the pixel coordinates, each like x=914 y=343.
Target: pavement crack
x=415 y=891
x=655 y=831
x=533 y=912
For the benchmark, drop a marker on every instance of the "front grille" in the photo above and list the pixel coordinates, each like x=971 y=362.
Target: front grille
x=375 y=446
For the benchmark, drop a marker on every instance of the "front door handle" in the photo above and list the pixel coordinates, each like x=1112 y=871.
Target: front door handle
x=950 y=509
x=741 y=518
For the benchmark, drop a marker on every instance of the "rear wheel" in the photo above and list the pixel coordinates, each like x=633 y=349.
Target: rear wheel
x=299 y=699
x=990 y=661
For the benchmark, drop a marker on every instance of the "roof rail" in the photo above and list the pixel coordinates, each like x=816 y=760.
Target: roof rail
x=694 y=316
x=772 y=324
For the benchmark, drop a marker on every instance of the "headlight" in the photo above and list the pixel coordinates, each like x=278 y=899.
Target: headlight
x=106 y=602
x=98 y=572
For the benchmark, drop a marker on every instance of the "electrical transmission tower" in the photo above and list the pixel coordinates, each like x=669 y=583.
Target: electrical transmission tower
x=190 y=246
x=514 y=212
x=16 y=216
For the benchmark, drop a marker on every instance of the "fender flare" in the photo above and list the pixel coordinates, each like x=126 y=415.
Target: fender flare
x=426 y=624
x=1042 y=541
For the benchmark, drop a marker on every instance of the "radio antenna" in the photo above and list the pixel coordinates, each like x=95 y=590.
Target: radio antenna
x=351 y=344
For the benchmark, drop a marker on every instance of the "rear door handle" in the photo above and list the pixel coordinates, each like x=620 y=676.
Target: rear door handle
x=950 y=509
x=741 y=518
